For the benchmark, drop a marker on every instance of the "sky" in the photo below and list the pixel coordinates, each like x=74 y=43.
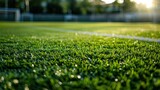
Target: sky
x=147 y=3
x=108 y=1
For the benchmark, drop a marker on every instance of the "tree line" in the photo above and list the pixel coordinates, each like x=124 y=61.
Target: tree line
x=82 y=7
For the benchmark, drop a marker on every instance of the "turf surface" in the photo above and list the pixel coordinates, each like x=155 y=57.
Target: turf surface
x=40 y=59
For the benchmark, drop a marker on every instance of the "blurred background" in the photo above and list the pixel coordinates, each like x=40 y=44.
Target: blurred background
x=80 y=10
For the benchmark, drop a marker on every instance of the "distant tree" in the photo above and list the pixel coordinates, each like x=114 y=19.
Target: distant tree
x=11 y=3
x=85 y=7
x=98 y=6
x=65 y=6
x=2 y=3
x=54 y=7
x=116 y=7
x=35 y=6
x=128 y=6
x=74 y=7
x=82 y=7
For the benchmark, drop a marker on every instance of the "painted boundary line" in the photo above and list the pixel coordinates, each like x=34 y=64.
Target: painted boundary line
x=100 y=34
x=124 y=36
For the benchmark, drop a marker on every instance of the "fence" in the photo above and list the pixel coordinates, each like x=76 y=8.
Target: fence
x=127 y=17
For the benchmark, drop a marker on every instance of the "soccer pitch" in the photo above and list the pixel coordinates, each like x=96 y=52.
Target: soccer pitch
x=55 y=56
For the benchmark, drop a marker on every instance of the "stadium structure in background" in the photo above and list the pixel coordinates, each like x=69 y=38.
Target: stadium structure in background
x=74 y=10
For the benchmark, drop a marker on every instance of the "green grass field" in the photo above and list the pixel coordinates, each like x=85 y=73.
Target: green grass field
x=35 y=58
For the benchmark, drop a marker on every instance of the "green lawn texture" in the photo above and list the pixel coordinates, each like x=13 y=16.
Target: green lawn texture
x=41 y=59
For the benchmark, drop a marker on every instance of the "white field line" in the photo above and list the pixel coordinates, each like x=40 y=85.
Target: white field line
x=101 y=34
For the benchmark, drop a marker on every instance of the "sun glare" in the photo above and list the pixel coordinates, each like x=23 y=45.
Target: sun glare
x=147 y=3
x=108 y=1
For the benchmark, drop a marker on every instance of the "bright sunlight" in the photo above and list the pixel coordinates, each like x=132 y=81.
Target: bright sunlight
x=111 y=1
x=147 y=3
x=108 y=1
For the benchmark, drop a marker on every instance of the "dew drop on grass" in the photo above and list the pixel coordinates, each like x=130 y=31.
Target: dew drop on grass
x=2 y=79
x=72 y=76
x=127 y=73
x=15 y=81
x=34 y=71
x=32 y=65
x=60 y=83
x=76 y=65
x=26 y=87
x=116 y=80
x=58 y=72
x=90 y=60
x=73 y=70
x=78 y=76
x=44 y=75
x=9 y=84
